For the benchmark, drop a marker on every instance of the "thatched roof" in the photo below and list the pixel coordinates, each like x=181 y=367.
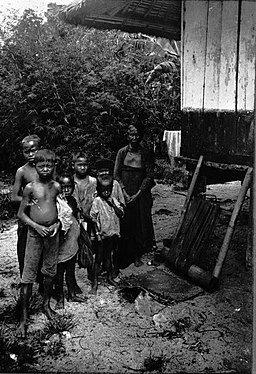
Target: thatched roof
x=153 y=17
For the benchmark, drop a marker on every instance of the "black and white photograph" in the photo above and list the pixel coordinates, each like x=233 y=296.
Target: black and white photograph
x=127 y=186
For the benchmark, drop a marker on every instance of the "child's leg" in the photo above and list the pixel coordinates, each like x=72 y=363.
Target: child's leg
x=97 y=264
x=108 y=251
x=21 y=244
x=40 y=277
x=25 y=294
x=49 y=269
x=71 y=277
x=48 y=286
x=115 y=258
x=31 y=261
x=59 y=280
x=71 y=281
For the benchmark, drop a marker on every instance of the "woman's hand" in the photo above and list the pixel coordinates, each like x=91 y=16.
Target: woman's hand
x=126 y=196
x=133 y=198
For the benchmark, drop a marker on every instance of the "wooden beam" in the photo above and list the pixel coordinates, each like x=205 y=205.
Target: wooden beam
x=215 y=165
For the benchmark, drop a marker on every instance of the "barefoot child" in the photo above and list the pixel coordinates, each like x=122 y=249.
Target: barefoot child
x=68 y=216
x=25 y=174
x=104 y=169
x=84 y=191
x=85 y=186
x=38 y=210
x=106 y=212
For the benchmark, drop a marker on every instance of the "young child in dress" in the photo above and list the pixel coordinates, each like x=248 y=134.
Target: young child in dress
x=106 y=212
x=25 y=174
x=68 y=215
x=38 y=210
x=85 y=187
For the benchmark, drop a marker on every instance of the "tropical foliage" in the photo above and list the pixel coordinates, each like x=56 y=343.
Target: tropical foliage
x=79 y=88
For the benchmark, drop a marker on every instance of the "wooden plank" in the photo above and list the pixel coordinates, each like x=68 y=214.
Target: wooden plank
x=247 y=48
x=228 y=61
x=213 y=53
x=182 y=54
x=195 y=18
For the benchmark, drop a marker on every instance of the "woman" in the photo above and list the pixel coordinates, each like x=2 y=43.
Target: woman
x=134 y=169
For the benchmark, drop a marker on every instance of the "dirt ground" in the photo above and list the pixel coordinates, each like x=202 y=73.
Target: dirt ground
x=209 y=333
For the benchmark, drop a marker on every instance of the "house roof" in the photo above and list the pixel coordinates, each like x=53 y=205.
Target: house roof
x=160 y=18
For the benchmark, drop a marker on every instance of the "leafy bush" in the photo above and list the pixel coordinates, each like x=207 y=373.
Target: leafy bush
x=79 y=88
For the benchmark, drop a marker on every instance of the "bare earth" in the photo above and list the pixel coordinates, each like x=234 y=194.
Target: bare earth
x=211 y=332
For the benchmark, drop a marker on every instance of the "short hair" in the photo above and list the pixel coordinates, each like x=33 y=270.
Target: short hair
x=65 y=175
x=31 y=138
x=44 y=155
x=77 y=155
x=104 y=164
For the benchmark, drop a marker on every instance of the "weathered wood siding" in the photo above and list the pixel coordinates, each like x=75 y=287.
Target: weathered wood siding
x=218 y=75
x=218 y=54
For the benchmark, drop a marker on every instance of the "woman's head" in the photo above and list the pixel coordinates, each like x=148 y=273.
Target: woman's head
x=135 y=135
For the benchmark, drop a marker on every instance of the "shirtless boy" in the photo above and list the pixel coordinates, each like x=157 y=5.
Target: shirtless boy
x=25 y=174
x=38 y=210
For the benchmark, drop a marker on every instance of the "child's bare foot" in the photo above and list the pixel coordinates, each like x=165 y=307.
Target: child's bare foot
x=50 y=314
x=60 y=304
x=78 y=290
x=77 y=299
x=116 y=272
x=93 y=290
x=112 y=282
x=21 y=331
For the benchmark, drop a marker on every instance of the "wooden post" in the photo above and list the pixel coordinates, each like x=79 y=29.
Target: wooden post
x=232 y=223
x=253 y=190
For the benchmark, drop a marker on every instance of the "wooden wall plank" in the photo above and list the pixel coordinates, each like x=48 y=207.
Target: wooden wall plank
x=213 y=56
x=247 y=51
x=228 y=62
x=183 y=6
x=195 y=18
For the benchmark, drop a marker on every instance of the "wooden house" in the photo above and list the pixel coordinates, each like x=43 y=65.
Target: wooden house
x=218 y=83
x=218 y=41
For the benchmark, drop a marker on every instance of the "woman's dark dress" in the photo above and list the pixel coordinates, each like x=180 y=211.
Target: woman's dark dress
x=136 y=226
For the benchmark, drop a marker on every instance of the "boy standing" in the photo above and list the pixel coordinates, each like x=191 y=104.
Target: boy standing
x=25 y=174
x=38 y=210
x=106 y=212
x=104 y=168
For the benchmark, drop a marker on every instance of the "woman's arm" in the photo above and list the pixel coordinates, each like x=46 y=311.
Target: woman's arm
x=149 y=165
x=118 y=167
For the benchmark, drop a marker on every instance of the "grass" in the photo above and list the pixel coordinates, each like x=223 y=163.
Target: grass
x=61 y=323
x=17 y=356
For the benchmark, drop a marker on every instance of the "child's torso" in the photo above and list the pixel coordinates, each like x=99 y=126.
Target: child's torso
x=43 y=209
